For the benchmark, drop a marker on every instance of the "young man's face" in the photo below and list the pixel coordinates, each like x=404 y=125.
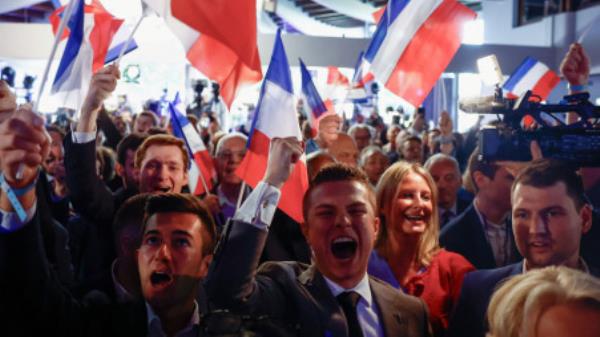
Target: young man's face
x=547 y=225
x=163 y=169
x=341 y=228
x=170 y=258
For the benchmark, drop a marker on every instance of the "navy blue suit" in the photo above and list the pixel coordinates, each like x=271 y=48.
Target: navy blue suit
x=478 y=286
x=464 y=235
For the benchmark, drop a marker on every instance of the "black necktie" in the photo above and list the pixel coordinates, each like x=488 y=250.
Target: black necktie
x=348 y=301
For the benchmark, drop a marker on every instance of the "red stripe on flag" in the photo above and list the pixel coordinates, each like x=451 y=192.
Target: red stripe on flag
x=378 y=14
x=252 y=170
x=335 y=77
x=204 y=162
x=226 y=50
x=544 y=86
x=429 y=52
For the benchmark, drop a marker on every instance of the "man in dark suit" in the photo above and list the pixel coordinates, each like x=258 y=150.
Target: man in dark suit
x=176 y=249
x=482 y=233
x=340 y=227
x=549 y=216
x=446 y=174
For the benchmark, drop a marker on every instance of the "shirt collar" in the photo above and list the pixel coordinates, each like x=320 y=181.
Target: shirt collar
x=155 y=326
x=583 y=266
x=362 y=288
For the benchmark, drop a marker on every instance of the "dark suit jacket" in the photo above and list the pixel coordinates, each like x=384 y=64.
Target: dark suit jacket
x=464 y=235
x=478 y=286
x=33 y=303
x=297 y=293
x=469 y=318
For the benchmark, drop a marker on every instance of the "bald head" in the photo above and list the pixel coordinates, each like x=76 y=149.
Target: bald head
x=344 y=150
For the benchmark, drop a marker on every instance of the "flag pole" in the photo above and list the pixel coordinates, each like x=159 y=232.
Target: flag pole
x=36 y=104
x=57 y=38
x=240 y=196
x=129 y=39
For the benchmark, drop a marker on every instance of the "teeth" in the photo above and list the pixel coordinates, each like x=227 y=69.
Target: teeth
x=413 y=217
x=343 y=240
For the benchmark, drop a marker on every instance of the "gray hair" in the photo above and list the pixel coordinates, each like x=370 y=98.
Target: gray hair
x=363 y=126
x=227 y=137
x=367 y=152
x=441 y=157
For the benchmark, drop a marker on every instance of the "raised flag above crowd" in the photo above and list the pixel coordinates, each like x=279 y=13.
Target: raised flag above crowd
x=91 y=30
x=413 y=44
x=202 y=172
x=531 y=75
x=211 y=34
x=275 y=116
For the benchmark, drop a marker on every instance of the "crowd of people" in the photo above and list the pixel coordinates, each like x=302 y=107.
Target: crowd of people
x=406 y=231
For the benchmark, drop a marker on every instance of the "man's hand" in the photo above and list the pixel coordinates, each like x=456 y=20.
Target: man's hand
x=283 y=154
x=575 y=67
x=23 y=141
x=103 y=83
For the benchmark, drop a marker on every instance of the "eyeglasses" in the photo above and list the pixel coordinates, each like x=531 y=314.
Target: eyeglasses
x=229 y=155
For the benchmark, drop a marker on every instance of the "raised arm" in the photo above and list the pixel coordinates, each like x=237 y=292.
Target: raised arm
x=232 y=281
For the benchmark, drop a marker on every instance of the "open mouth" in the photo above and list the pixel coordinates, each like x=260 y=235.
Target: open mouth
x=344 y=247
x=414 y=217
x=160 y=278
x=162 y=189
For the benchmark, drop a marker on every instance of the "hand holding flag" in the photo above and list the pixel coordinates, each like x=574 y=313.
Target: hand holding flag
x=284 y=153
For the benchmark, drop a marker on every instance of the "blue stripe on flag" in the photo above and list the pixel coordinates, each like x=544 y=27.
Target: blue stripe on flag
x=521 y=71
x=113 y=53
x=279 y=68
x=278 y=73
x=357 y=69
x=75 y=25
x=391 y=13
x=313 y=99
x=178 y=121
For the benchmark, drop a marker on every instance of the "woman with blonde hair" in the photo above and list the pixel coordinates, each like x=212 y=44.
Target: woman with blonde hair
x=548 y=302
x=407 y=254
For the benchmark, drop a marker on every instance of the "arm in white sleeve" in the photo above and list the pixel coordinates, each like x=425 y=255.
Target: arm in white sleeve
x=83 y=137
x=260 y=206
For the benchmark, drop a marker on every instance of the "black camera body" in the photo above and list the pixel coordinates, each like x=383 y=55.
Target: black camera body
x=577 y=144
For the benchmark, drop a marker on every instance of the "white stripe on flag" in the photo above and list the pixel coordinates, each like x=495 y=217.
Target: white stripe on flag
x=530 y=79
x=399 y=35
x=194 y=141
x=274 y=116
x=183 y=32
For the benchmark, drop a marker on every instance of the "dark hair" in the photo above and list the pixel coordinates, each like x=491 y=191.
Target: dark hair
x=108 y=162
x=130 y=142
x=547 y=172
x=184 y=203
x=57 y=129
x=476 y=163
x=334 y=173
x=131 y=213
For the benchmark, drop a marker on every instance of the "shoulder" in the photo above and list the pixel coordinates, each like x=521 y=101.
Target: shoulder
x=489 y=278
x=450 y=260
x=388 y=295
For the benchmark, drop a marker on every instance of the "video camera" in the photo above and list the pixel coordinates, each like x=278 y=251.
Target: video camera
x=577 y=144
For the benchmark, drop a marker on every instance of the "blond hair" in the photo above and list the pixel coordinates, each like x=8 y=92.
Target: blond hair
x=161 y=140
x=517 y=305
x=387 y=191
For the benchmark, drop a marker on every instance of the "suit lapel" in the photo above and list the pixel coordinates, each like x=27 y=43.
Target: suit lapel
x=390 y=313
x=330 y=314
x=479 y=240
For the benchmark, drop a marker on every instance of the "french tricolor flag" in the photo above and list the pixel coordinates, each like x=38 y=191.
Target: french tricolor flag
x=202 y=171
x=414 y=42
x=361 y=77
x=275 y=116
x=531 y=75
x=314 y=106
x=337 y=84
x=91 y=30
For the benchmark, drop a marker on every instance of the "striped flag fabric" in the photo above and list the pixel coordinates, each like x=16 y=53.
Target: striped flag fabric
x=336 y=87
x=219 y=37
x=314 y=106
x=275 y=116
x=107 y=37
x=90 y=34
x=414 y=42
x=361 y=77
x=202 y=172
x=531 y=75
